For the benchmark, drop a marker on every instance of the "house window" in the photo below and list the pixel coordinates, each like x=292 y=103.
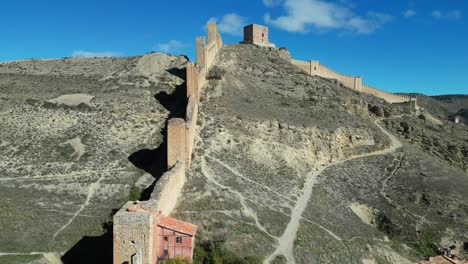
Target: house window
x=178 y=240
x=165 y=238
x=263 y=35
x=165 y=253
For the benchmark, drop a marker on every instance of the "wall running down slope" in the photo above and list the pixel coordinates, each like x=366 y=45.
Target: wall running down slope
x=135 y=223
x=353 y=82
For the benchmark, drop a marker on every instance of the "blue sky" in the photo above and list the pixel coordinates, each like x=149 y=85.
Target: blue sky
x=399 y=46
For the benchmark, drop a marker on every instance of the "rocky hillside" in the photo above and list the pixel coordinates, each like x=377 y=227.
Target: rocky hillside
x=287 y=168
x=445 y=106
x=294 y=168
x=74 y=134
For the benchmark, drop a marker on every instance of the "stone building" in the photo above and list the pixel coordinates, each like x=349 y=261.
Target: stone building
x=443 y=260
x=175 y=238
x=145 y=236
x=257 y=34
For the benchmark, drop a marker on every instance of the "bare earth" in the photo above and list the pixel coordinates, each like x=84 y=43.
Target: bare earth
x=67 y=131
x=299 y=169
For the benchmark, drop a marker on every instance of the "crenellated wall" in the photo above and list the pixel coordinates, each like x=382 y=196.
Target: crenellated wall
x=315 y=68
x=389 y=97
x=190 y=126
x=353 y=82
x=134 y=236
x=133 y=233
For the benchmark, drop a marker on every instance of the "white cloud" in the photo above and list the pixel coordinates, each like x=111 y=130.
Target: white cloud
x=232 y=24
x=90 y=54
x=369 y=24
x=409 y=13
x=449 y=15
x=271 y=3
x=319 y=14
x=170 y=46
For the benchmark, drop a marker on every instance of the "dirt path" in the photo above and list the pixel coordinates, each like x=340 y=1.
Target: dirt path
x=242 y=199
x=286 y=241
x=21 y=253
x=91 y=191
x=232 y=170
x=60 y=175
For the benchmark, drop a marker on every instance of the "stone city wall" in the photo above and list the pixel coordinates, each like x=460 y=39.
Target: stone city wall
x=167 y=189
x=315 y=68
x=191 y=126
x=322 y=70
x=353 y=82
x=389 y=97
x=304 y=65
x=133 y=228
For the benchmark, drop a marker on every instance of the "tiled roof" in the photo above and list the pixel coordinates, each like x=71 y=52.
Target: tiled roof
x=443 y=260
x=177 y=225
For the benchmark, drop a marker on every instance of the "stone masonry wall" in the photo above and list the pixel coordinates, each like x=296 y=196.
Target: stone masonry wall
x=389 y=97
x=130 y=243
x=315 y=68
x=133 y=229
x=353 y=82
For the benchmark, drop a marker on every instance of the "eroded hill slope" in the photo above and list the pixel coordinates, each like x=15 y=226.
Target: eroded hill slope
x=73 y=135
x=300 y=169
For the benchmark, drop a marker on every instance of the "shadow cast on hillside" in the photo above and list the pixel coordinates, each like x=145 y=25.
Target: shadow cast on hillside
x=153 y=161
x=99 y=249
x=92 y=250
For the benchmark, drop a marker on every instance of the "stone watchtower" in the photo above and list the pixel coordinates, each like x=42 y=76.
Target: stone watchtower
x=256 y=34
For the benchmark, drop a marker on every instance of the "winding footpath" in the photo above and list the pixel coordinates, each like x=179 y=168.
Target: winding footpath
x=286 y=241
x=91 y=191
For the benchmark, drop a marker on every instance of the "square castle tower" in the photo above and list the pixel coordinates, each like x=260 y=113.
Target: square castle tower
x=256 y=34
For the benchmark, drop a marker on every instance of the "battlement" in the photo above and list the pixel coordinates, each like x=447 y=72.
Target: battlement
x=142 y=228
x=353 y=82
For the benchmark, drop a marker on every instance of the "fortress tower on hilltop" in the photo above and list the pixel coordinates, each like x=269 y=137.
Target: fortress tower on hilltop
x=256 y=34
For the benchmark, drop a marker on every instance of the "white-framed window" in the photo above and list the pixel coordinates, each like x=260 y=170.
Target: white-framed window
x=178 y=240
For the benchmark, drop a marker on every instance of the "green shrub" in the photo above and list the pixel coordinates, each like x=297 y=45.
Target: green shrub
x=215 y=73
x=280 y=259
x=135 y=194
x=425 y=244
x=175 y=261
x=216 y=253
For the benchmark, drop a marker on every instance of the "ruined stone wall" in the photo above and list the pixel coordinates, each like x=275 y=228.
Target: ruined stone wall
x=133 y=229
x=352 y=82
